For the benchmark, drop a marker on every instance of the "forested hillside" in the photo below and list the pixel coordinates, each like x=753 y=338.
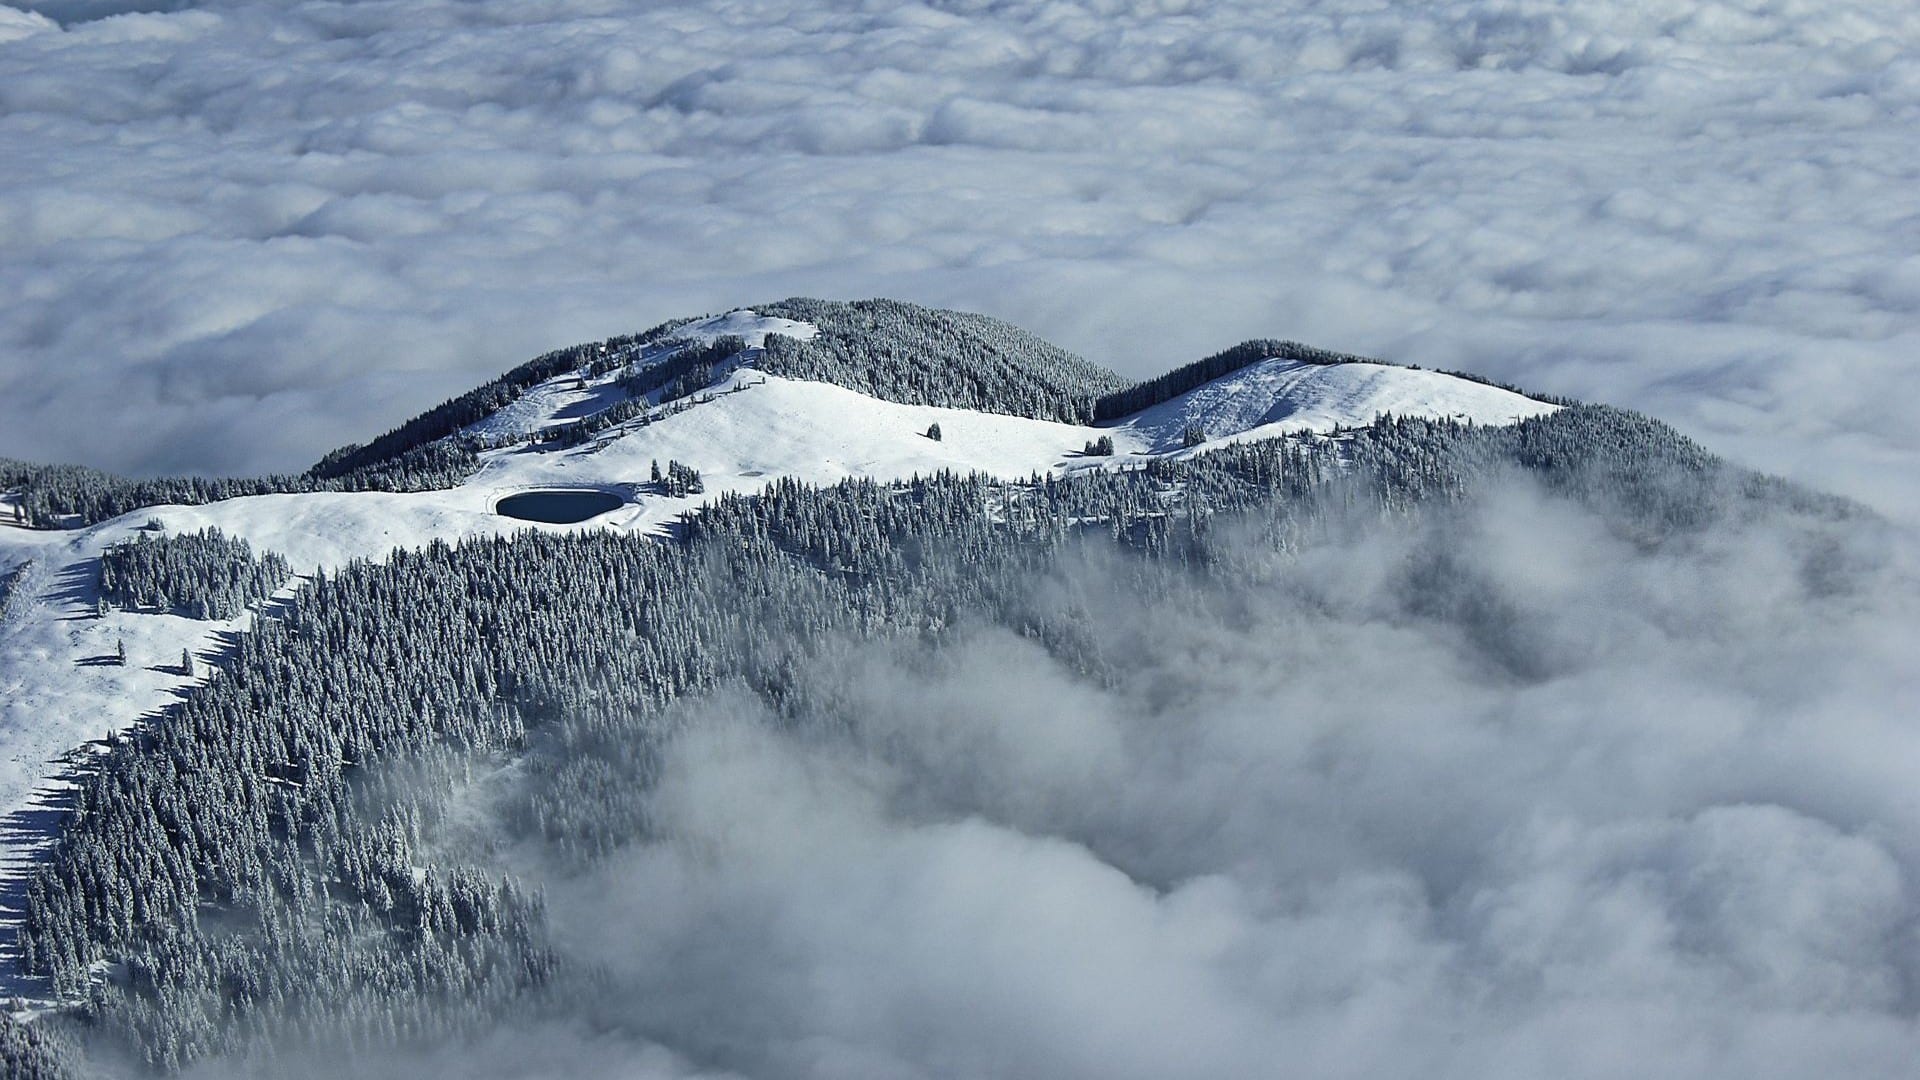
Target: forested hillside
x=902 y=352
x=277 y=861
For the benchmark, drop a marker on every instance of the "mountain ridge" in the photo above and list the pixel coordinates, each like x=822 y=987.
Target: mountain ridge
x=887 y=349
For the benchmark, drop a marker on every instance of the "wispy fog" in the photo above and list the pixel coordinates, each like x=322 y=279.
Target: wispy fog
x=1491 y=793
x=237 y=233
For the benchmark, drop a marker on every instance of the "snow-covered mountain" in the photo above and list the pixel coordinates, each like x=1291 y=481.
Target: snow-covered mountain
x=742 y=429
x=717 y=395
x=863 y=626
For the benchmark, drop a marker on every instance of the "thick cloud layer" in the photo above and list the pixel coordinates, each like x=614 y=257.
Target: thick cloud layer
x=1326 y=818
x=236 y=233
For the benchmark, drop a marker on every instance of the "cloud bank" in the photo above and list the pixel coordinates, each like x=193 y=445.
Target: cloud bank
x=1325 y=818
x=234 y=234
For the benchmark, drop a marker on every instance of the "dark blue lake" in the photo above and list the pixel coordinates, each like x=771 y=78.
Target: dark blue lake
x=559 y=506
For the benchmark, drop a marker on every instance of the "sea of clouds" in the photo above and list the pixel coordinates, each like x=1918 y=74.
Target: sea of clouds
x=1494 y=792
x=234 y=234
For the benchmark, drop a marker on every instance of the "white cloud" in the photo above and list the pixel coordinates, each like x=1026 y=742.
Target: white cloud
x=1676 y=805
x=238 y=233
x=16 y=24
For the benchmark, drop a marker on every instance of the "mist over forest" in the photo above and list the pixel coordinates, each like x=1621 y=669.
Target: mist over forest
x=1473 y=794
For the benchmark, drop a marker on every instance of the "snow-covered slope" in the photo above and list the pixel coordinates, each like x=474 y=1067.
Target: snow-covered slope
x=749 y=428
x=1283 y=397
x=746 y=325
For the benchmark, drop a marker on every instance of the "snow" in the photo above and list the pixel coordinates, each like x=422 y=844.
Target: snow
x=749 y=428
x=61 y=687
x=1284 y=397
x=756 y=427
x=745 y=324
x=569 y=397
x=543 y=405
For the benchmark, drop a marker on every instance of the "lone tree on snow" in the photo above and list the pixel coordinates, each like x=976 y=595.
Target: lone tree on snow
x=933 y=432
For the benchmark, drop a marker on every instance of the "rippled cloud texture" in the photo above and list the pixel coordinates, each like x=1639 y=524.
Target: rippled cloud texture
x=234 y=234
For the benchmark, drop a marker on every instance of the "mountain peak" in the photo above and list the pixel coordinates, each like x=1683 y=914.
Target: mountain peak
x=1278 y=396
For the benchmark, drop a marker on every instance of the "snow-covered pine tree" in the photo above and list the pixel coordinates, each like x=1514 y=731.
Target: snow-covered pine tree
x=202 y=575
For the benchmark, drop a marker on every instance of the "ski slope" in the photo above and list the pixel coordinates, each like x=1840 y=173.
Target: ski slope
x=57 y=692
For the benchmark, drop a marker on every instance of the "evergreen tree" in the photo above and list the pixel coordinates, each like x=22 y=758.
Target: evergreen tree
x=202 y=575
x=34 y=1051
x=902 y=352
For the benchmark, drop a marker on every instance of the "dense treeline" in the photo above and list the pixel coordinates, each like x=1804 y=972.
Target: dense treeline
x=202 y=575
x=268 y=862
x=902 y=352
x=34 y=1052
x=65 y=496
x=687 y=370
x=12 y=588
x=657 y=384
